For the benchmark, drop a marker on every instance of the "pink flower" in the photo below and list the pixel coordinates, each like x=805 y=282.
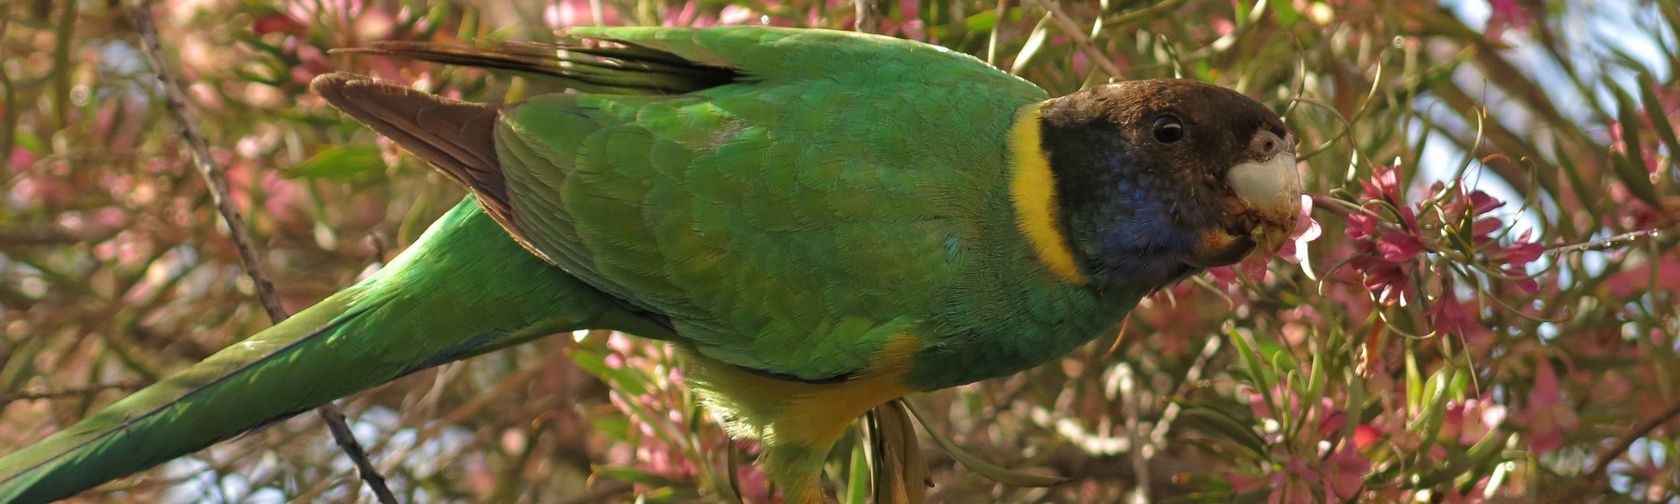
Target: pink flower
x=1548 y=416
x=1344 y=472
x=277 y=23
x=1451 y=495
x=1295 y=486
x=1469 y=421
x=1306 y=230
x=1291 y=484
x=1329 y=417
x=1507 y=14
x=1384 y=254
x=1448 y=315
x=1512 y=259
x=1642 y=279
x=565 y=13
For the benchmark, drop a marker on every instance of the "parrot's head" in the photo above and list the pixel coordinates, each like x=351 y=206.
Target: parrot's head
x=1158 y=179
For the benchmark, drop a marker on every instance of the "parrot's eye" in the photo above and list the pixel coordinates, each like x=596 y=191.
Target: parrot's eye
x=1168 y=129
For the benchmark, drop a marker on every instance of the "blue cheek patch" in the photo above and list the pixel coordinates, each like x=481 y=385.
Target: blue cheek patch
x=1140 y=241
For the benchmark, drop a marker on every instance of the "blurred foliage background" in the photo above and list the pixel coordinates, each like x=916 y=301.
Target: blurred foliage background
x=1485 y=307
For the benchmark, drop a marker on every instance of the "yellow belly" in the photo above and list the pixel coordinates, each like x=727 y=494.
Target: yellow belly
x=798 y=422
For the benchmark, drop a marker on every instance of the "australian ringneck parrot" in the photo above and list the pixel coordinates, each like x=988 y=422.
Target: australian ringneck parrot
x=821 y=221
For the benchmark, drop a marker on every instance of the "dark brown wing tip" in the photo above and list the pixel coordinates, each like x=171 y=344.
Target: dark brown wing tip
x=328 y=85
x=455 y=136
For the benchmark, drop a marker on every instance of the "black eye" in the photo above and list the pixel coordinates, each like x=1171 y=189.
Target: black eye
x=1168 y=129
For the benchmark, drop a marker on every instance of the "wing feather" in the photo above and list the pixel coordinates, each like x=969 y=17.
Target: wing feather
x=780 y=195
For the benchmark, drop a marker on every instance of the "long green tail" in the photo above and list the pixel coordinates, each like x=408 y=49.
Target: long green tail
x=463 y=289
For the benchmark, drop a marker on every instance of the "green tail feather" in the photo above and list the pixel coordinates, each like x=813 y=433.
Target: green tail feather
x=463 y=289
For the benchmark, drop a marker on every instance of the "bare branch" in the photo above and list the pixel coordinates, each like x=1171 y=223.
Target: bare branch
x=175 y=100
x=1080 y=38
x=868 y=16
x=67 y=393
x=1601 y=464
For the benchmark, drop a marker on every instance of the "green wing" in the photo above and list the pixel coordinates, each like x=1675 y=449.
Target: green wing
x=804 y=196
x=789 y=223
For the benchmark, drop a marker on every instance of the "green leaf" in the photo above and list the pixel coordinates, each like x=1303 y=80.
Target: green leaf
x=991 y=471
x=983 y=21
x=857 y=481
x=622 y=378
x=338 y=163
x=1654 y=110
x=1232 y=429
x=1034 y=43
x=633 y=475
x=1630 y=165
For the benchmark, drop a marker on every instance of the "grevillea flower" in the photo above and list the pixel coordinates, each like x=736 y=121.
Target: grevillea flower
x=1468 y=421
x=1448 y=315
x=1548 y=415
x=1384 y=254
x=1306 y=230
x=1294 y=250
x=1391 y=237
x=1344 y=472
x=1506 y=15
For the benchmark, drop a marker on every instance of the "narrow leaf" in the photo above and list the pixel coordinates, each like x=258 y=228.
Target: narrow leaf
x=991 y=471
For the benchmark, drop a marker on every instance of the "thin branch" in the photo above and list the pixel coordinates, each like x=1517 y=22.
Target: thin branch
x=868 y=16
x=1080 y=38
x=1134 y=431
x=37 y=236
x=1611 y=242
x=8 y=99
x=1601 y=465
x=175 y=100
x=1192 y=379
x=67 y=393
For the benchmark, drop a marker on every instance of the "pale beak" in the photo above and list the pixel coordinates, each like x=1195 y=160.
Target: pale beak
x=1270 y=189
x=1265 y=200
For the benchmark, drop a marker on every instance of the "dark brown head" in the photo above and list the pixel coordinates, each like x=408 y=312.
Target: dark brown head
x=1156 y=179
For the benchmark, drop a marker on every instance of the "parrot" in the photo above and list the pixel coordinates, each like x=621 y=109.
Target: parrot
x=820 y=222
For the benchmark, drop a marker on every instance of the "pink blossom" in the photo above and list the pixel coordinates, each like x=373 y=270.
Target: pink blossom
x=277 y=23
x=20 y=159
x=1329 y=417
x=1548 y=416
x=1506 y=15
x=1468 y=421
x=1296 y=485
x=1512 y=259
x=1344 y=472
x=1366 y=435
x=1642 y=279
x=1448 y=315
x=1384 y=254
x=1306 y=230
x=564 y=13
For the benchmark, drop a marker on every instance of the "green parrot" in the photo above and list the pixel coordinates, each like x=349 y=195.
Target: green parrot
x=820 y=221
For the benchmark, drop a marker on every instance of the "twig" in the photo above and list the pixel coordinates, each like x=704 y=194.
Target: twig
x=37 y=235
x=868 y=16
x=1602 y=464
x=8 y=99
x=64 y=393
x=1610 y=242
x=1134 y=431
x=347 y=441
x=1079 y=38
x=1192 y=377
x=175 y=100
